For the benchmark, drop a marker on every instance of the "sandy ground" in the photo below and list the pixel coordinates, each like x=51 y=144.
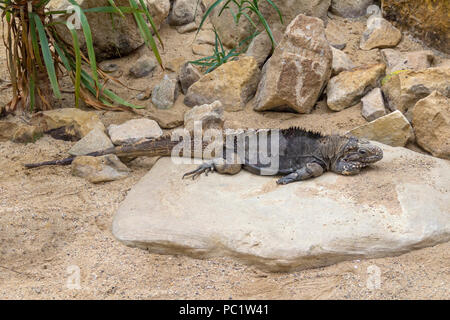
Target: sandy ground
x=53 y=224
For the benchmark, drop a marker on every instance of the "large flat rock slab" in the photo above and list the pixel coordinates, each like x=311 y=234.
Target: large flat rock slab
x=399 y=204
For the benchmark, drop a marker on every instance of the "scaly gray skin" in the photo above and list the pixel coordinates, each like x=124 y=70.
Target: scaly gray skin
x=301 y=155
x=304 y=155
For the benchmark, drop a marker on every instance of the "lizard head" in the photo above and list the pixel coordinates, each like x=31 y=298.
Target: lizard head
x=355 y=155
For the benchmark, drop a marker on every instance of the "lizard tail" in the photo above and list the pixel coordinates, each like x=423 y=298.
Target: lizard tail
x=158 y=147
x=67 y=161
x=62 y=162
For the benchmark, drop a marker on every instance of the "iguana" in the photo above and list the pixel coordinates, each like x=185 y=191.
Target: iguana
x=300 y=154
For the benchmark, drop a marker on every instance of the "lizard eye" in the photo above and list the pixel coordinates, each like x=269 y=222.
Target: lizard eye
x=362 y=151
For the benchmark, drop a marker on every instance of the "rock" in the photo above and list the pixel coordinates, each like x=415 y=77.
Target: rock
x=96 y=140
x=348 y=87
x=204 y=50
x=141 y=96
x=233 y=84
x=417 y=60
x=99 y=169
x=159 y=10
x=107 y=44
x=165 y=93
x=231 y=34
x=183 y=12
x=373 y=105
x=379 y=34
x=426 y=20
x=108 y=66
x=350 y=8
x=399 y=205
x=26 y=133
x=445 y=63
x=18 y=132
x=187 y=28
x=339 y=46
x=431 y=123
x=341 y=62
x=7 y=129
x=175 y=64
x=133 y=131
x=206 y=37
x=81 y=122
x=403 y=89
x=374 y=10
x=168 y=118
x=296 y=74
x=392 y=129
x=143 y=66
x=210 y=115
x=260 y=48
x=117 y=117
x=187 y=76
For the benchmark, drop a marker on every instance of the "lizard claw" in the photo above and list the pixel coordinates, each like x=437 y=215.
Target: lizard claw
x=288 y=179
x=203 y=168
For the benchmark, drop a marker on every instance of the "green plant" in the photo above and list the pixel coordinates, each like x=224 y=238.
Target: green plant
x=220 y=55
x=245 y=8
x=37 y=55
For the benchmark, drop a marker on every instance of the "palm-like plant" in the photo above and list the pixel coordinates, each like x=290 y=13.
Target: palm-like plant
x=221 y=55
x=37 y=55
x=246 y=9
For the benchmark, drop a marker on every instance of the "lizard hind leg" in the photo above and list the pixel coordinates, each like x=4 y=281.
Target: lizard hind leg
x=223 y=167
x=203 y=168
x=311 y=170
x=219 y=165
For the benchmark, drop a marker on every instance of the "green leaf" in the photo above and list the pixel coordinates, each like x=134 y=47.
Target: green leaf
x=88 y=82
x=249 y=20
x=206 y=15
x=77 y=50
x=277 y=10
x=63 y=56
x=119 y=100
x=32 y=86
x=225 y=6
x=266 y=27
x=213 y=67
x=146 y=33
x=123 y=9
x=42 y=3
x=47 y=55
x=35 y=44
x=51 y=13
x=113 y=4
x=89 y=42
x=150 y=20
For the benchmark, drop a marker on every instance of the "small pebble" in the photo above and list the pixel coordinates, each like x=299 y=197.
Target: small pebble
x=109 y=67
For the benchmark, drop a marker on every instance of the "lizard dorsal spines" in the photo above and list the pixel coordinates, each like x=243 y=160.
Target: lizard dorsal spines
x=299 y=132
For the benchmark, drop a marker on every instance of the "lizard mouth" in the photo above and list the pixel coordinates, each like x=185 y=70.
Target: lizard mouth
x=362 y=163
x=369 y=160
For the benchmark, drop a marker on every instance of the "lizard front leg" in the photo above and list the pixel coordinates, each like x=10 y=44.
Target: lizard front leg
x=309 y=171
x=218 y=164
